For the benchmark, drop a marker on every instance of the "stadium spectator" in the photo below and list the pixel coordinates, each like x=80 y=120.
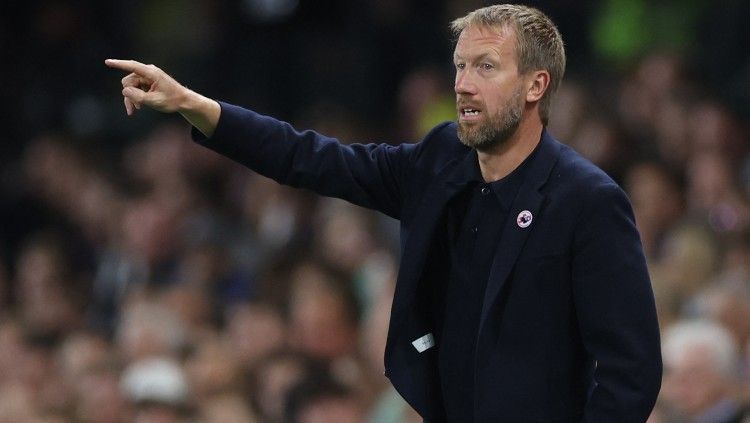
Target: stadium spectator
x=702 y=368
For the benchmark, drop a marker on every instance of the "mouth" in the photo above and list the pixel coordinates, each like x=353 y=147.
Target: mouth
x=469 y=113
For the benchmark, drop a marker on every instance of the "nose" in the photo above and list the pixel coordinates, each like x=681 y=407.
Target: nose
x=464 y=83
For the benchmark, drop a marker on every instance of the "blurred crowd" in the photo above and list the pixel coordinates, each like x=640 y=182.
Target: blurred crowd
x=144 y=278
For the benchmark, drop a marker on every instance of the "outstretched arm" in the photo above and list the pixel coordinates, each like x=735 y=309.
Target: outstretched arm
x=147 y=85
x=369 y=175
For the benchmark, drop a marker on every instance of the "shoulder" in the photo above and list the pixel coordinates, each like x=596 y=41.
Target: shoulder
x=580 y=171
x=582 y=186
x=578 y=176
x=439 y=147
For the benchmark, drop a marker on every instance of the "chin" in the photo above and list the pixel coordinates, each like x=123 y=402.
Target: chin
x=480 y=138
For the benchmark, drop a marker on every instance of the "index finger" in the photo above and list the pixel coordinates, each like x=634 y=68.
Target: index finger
x=132 y=66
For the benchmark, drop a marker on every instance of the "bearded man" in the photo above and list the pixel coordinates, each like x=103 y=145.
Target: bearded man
x=522 y=293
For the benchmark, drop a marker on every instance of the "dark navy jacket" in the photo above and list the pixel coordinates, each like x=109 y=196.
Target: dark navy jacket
x=568 y=328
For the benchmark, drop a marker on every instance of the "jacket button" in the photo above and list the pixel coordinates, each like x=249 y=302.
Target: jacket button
x=485 y=190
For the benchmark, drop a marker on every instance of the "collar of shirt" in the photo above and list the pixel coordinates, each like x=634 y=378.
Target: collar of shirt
x=505 y=189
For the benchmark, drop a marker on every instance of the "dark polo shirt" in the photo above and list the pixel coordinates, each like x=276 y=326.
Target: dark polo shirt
x=474 y=230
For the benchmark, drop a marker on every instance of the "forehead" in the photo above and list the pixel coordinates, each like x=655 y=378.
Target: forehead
x=477 y=40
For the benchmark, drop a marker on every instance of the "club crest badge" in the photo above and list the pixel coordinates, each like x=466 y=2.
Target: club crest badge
x=524 y=219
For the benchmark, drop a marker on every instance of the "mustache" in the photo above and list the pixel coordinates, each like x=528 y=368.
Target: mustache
x=463 y=102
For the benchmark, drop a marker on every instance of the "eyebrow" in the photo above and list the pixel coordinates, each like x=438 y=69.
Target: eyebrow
x=478 y=58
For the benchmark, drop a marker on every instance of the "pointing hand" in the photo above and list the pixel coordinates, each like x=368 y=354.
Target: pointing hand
x=150 y=86
x=147 y=85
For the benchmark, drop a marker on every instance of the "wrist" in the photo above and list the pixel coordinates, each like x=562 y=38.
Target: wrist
x=190 y=102
x=202 y=112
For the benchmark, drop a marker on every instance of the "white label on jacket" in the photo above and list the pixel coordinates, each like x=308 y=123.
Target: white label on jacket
x=424 y=343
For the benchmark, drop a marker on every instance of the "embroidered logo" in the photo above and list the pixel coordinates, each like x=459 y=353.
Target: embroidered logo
x=524 y=219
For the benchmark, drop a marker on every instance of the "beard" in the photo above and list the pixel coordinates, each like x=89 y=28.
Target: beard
x=496 y=129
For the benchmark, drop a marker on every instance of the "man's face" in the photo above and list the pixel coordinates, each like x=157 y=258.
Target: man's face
x=489 y=89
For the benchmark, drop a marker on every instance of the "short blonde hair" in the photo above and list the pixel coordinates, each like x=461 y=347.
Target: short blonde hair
x=540 y=45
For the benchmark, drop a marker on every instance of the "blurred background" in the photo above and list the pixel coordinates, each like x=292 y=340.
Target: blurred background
x=144 y=278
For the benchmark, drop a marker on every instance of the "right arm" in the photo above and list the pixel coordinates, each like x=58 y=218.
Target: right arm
x=371 y=175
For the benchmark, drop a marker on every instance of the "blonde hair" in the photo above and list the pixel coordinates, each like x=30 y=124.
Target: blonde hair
x=539 y=46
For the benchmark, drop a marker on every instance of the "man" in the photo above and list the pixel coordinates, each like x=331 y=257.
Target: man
x=522 y=293
x=702 y=364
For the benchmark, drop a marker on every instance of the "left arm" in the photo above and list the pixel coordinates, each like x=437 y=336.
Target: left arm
x=615 y=309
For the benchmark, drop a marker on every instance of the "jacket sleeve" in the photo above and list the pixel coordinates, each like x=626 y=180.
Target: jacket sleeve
x=369 y=175
x=615 y=309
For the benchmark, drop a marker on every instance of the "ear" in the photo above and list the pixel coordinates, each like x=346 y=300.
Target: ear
x=537 y=85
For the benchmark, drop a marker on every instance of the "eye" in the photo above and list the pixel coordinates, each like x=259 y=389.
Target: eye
x=487 y=66
x=460 y=66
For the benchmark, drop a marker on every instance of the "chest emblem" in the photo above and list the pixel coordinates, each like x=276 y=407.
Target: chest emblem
x=524 y=219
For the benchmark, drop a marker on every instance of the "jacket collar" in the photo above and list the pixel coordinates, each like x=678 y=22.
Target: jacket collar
x=461 y=171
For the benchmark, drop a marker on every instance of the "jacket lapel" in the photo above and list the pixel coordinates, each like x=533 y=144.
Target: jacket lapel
x=415 y=381
x=447 y=183
x=529 y=198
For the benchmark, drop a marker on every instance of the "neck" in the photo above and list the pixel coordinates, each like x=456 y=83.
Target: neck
x=503 y=159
